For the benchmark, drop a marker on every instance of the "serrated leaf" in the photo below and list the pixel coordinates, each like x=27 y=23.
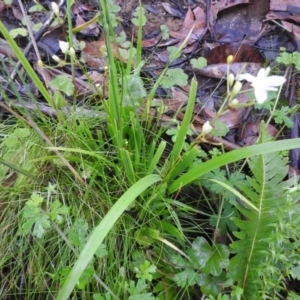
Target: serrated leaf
x=218 y=260
x=145 y=270
x=11 y=141
x=187 y=277
x=57 y=210
x=59 y=100
x=135 y=289
x=35 y=200
x=224 y=221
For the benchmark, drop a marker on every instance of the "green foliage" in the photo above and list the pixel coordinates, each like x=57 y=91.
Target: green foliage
x=136 y=290
x=164 y=32
x=63 y=83
x=18 y=31
x=174 y=52
x=281 y=116
x=139 y=18
x=37 y=220
x=133 y=90
x=205 y=268
x=289 y=58
x=145 y=271
x=220 y=129
x=199 y=63
x=174 y=77
x=267 y=191
x=17 y=137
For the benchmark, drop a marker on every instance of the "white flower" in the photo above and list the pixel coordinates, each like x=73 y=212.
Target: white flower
x=263 y=83
x=206 y=128
x=64 y=46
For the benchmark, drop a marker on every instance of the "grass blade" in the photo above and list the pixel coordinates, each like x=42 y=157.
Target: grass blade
x=101 y=231
x=231 y=157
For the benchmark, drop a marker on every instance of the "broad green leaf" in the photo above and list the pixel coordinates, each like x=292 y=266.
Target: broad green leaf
x=211 y=285
x=63 y=83
x=211 y=259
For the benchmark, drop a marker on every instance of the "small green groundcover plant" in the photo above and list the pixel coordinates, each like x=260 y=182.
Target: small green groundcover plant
x=129 y=227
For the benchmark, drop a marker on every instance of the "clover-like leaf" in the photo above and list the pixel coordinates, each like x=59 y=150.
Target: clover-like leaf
x=174 y=77
x=63 y=83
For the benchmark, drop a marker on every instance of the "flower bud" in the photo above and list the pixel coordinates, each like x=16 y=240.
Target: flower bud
x=72 y=52
x=230 y=59
x=230 y=79
x=55 y=8
x=56 y=58
x=234 y=102
x=236 y=88
x=40 y=64
x=206 y=128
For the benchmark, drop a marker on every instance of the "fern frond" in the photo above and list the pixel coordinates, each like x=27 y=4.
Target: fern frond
x=266 y=192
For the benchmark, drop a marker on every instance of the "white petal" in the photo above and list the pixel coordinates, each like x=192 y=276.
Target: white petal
x=64 y=46
x=261 y=95
x=247 y=76
x=262 y=74
x=274 y=81
x=207 y=128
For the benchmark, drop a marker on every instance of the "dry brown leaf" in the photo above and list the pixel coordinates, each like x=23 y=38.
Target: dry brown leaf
x=219 y=70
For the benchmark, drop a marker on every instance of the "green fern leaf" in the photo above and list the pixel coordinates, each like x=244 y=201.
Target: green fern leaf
x=266 y=192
